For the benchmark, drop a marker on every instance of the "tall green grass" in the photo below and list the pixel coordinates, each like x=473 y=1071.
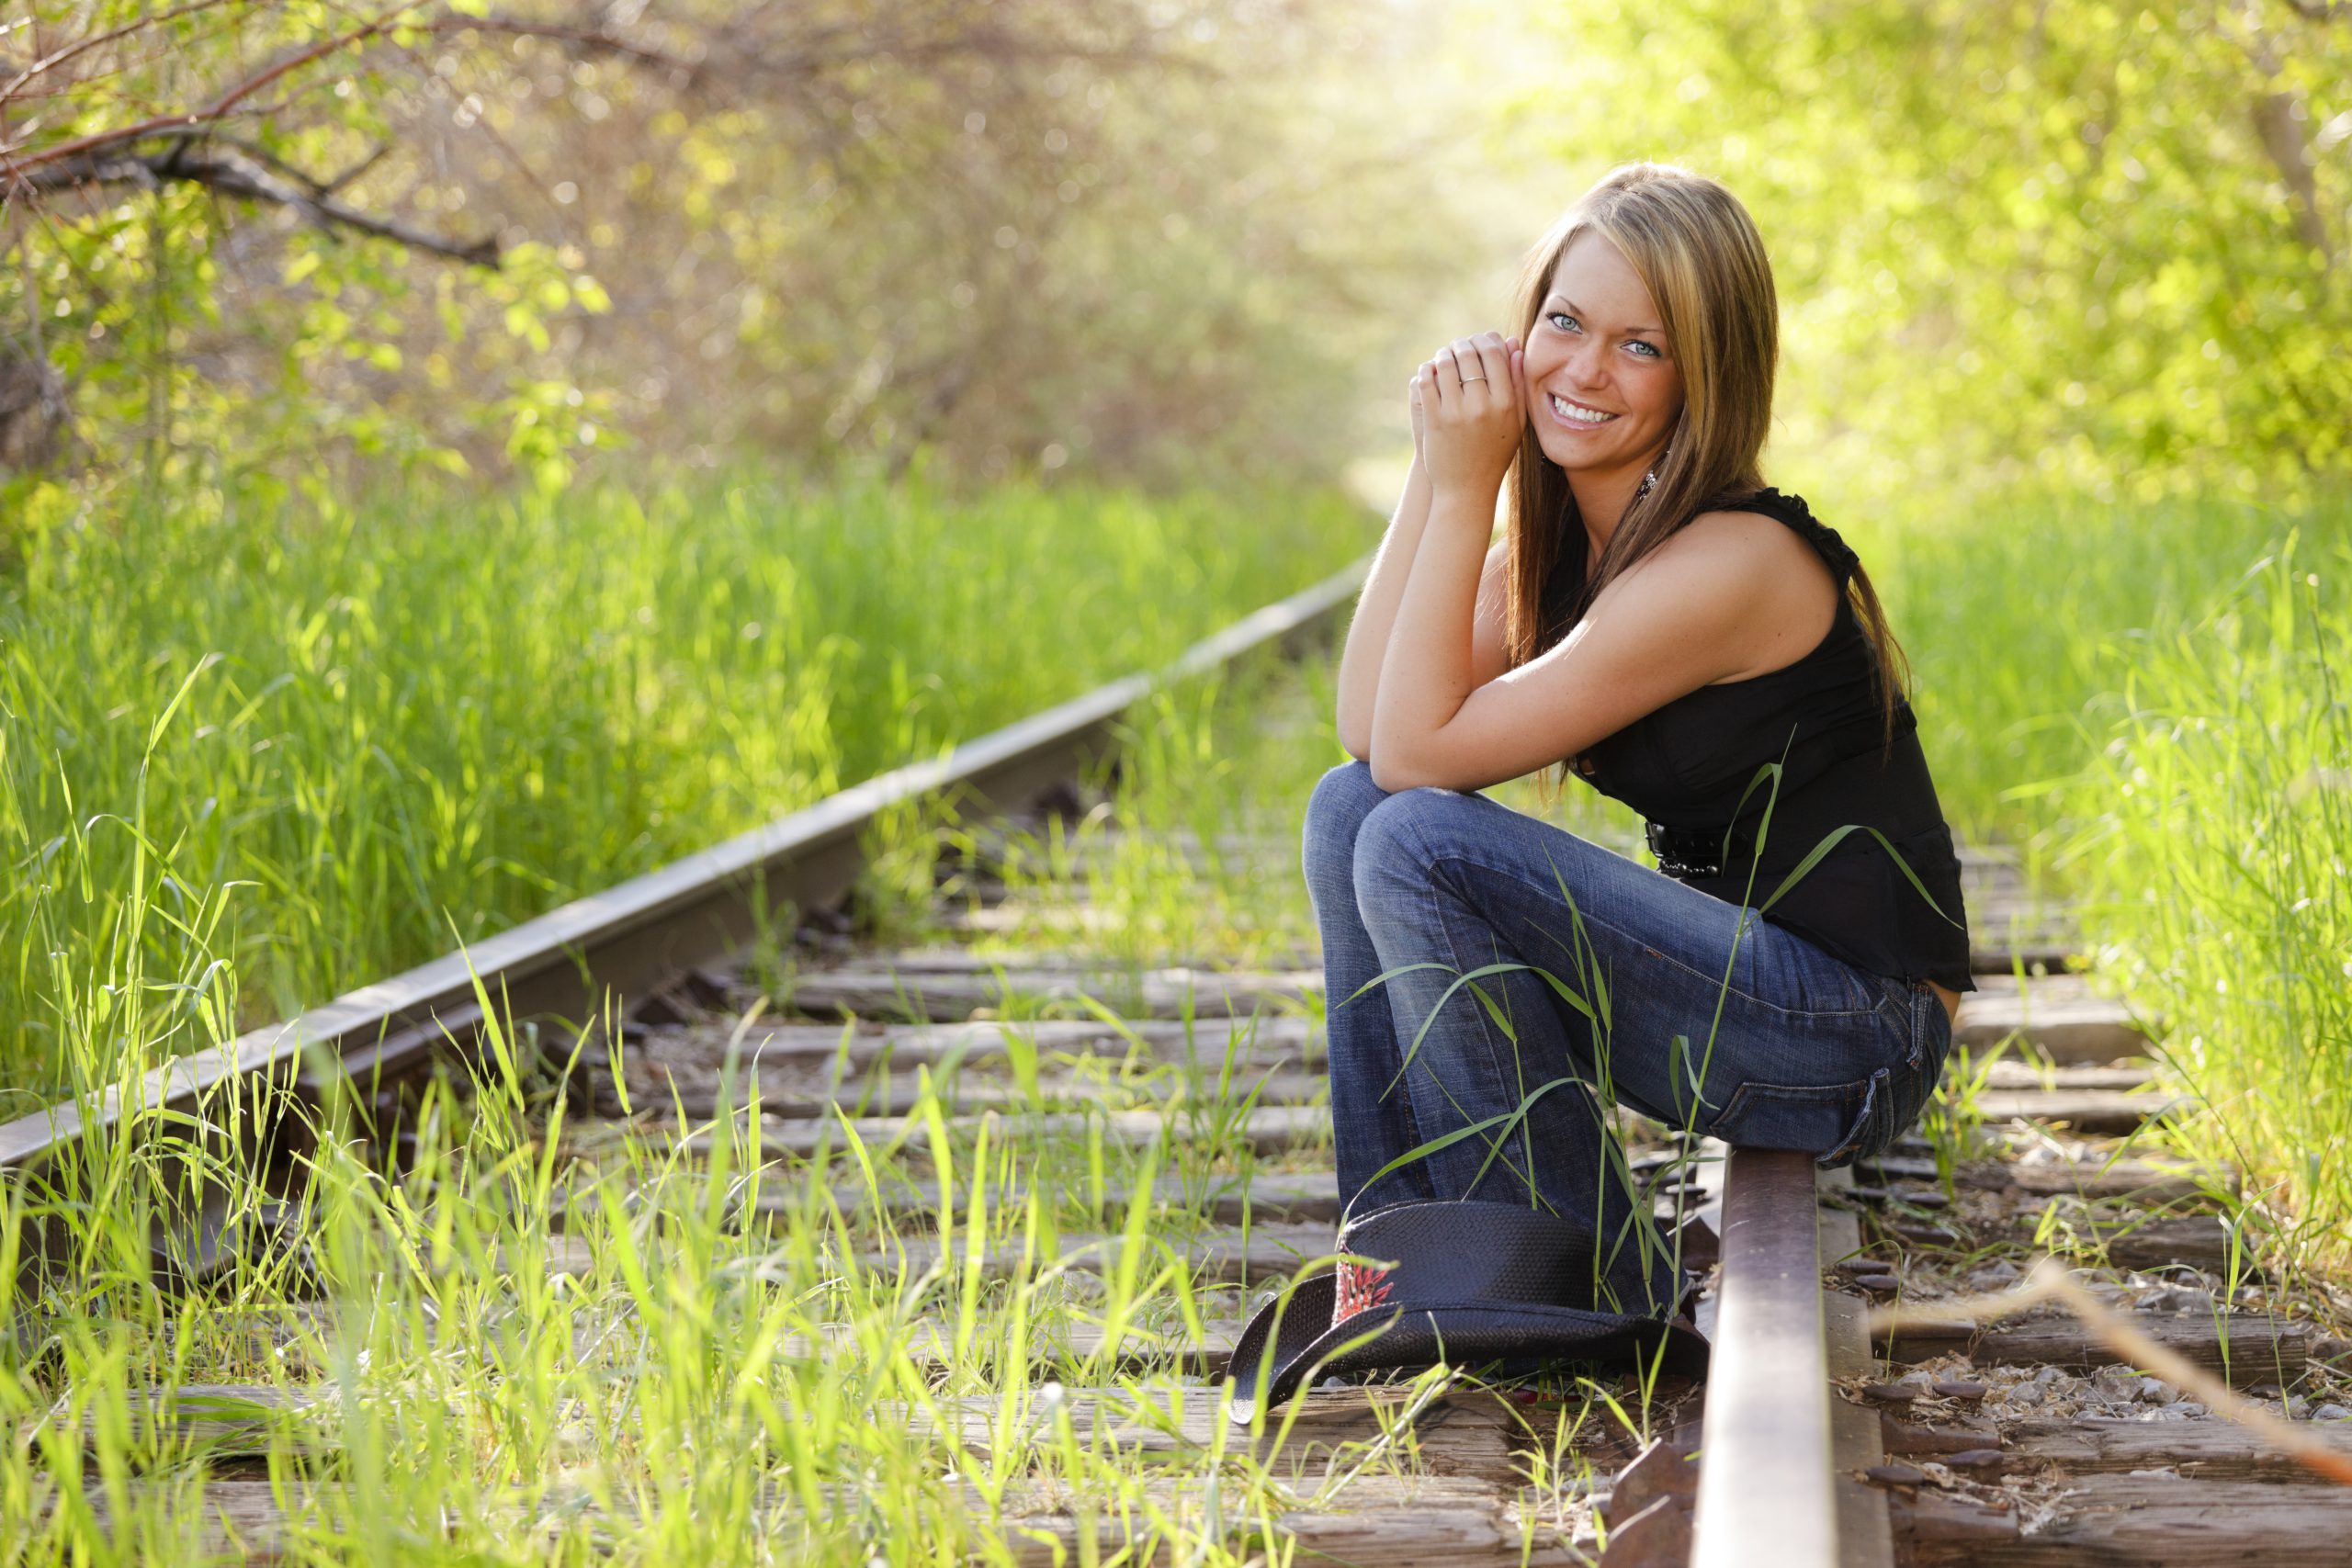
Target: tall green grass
x=418 y=719
x=2012 y=616
x=2151 y=702
x=518 y=1358
x=2214 y=847
x=542 y=1345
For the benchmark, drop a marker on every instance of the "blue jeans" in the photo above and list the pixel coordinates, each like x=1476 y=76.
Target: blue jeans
x=1808 y=1052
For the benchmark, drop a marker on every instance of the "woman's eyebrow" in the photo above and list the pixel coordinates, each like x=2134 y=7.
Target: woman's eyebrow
x=1573 y=310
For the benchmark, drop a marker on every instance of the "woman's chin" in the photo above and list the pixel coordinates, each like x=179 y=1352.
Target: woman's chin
x=1579 y=462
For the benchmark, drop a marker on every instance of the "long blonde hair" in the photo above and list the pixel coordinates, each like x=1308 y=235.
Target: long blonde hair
x=1697 y=250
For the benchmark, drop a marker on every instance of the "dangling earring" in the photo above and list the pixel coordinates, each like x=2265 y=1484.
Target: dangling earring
x=1651 y=478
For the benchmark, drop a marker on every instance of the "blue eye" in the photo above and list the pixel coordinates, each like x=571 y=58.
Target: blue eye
x=1652 y=351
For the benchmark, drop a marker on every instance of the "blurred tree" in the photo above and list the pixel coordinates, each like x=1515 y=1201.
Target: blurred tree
x=1148 y=236
x=2089 y=243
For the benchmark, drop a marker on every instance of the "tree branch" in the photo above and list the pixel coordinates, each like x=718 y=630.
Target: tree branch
x=740 y=54
x=2281 y=135
x=583 y=40
x=232 y=173
x=192 y=120
x=51 y=62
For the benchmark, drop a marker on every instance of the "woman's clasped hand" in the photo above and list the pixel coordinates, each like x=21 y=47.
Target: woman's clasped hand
x=1469 y=403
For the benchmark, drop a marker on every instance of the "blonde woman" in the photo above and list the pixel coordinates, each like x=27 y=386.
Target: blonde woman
x=1683 y=637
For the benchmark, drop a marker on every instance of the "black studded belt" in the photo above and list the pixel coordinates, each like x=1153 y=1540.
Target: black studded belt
x=1695 y=851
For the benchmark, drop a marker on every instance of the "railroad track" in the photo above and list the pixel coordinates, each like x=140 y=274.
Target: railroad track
x=2021 y=1441
x=862 y=1077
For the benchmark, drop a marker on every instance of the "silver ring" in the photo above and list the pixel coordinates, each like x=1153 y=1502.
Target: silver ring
x=1467 y=379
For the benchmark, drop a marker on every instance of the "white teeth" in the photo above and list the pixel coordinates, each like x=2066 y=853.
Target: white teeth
x=1569 y=411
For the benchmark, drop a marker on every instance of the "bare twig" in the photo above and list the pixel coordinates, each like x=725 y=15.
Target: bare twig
x=97 y=141
x=334 y=183
x=586 y=40
x=72 y=51
x=2048 y=1280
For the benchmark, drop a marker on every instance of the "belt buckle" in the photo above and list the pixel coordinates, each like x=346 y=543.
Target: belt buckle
x=1680 y=850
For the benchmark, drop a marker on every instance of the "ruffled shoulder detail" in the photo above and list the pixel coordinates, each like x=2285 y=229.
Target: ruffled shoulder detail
x=1792 y=511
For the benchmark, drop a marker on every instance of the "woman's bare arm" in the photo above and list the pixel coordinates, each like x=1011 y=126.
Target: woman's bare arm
x=1729 y=592
x=1375 y=617
x=1384 y=591
x=1376 y=612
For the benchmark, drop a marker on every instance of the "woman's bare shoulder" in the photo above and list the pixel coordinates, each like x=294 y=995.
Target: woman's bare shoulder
x=1750 y=545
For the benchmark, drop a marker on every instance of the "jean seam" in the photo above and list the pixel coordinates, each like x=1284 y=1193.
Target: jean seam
x=1922 y=1020
x=1415 y=1180
x=1461 y=858
x=1877 y=1086
x=1894 y=1011
x=1878 y=1104
x=1429 y=890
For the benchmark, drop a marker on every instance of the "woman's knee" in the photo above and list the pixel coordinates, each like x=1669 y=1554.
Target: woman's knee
x=1398 y=835
x=1343 y=796
x=1405 y=837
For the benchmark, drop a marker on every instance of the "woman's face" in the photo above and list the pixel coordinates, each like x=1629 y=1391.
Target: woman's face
x=1598 y=346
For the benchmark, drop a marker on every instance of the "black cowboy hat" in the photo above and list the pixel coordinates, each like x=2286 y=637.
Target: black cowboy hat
x=1464 y=1284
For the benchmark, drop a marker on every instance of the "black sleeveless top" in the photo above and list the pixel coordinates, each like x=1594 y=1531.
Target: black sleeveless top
x=1691 y=768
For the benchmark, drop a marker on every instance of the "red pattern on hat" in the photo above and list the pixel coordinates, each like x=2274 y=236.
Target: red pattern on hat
x=1361 y=1289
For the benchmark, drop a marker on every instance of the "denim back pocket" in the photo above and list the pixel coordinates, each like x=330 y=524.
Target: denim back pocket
x=1834 y=1122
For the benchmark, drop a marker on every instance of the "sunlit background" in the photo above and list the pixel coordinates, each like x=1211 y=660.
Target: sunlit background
x=2092 y=245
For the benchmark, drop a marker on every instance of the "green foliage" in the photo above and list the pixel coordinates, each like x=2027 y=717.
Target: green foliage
x=2012 y=613
x=1020 y=237
x=184 y=384
x=2216 y=847
x=2090 y=244
x=418 y=718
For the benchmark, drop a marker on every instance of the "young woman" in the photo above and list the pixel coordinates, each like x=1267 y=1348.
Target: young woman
x=1685 y=641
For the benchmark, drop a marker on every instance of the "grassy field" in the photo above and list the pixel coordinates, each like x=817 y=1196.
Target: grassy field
x=2152 y=703
x=248 y=761
x=533 y=1347
x=494 y=1375
x=2025 y=622
x=2213 y=835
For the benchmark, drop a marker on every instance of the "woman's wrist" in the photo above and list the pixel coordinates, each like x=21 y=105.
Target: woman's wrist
x=1463 y=503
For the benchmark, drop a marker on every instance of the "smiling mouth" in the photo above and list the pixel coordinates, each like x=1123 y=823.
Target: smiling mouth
x=1578 y=415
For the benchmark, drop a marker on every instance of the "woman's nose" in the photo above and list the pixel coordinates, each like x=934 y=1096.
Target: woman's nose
x=1577 y=365
x=1585 y=367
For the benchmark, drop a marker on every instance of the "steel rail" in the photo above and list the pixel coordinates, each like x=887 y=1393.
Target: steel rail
x=564 y=963
x=1768 y=1496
